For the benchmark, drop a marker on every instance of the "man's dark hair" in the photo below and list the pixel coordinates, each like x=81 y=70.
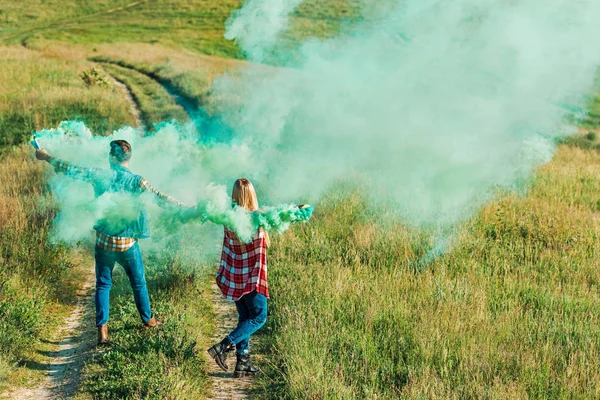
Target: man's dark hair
x=121 y=150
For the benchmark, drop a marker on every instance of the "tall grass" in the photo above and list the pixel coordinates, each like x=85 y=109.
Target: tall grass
x=593 y=120
x=36 y=277
x=511 y=311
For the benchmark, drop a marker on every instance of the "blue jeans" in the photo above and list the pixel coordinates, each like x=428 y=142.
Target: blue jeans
x=252 y=310
x=131 y=261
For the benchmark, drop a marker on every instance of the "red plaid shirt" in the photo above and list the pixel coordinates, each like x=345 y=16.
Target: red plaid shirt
x=243 y=266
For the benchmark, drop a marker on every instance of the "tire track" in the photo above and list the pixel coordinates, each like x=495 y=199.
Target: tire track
x=134 y=107
x=208 y=126
x=66 y=22
x=73 y=340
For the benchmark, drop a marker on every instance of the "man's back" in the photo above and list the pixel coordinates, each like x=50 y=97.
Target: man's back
x=127 y=218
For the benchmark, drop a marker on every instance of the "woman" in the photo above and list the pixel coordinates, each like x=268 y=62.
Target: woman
x=242 y=277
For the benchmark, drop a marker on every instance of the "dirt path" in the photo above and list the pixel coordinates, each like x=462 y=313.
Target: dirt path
x=205 y=123
x=63 y=365
x=225 y=386
x=134 y=108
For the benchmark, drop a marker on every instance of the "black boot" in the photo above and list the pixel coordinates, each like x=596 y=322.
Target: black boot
x=244 y=366
x=219 y=353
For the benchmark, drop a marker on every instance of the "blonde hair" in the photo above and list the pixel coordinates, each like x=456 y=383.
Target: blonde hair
x=244 y=195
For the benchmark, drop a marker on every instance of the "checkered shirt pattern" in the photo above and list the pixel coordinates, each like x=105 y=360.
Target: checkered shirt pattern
x=243 y=266
x=75 y=171
x=114 y=243
x=163 y=199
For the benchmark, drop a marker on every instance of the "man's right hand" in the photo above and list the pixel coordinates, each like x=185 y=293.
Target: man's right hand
x=42 y=155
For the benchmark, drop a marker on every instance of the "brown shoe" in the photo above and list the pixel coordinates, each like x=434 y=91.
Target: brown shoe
x=152 y=323
x=102 y=335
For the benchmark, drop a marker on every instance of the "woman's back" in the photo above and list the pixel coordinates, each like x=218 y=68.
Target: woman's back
x=243 y=267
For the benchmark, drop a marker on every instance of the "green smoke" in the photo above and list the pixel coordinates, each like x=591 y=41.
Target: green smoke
x=245 y=224
x=73 y=142
x=434 y=104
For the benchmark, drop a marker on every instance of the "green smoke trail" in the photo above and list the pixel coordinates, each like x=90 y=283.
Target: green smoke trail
x=244 y=223
x=81 y=211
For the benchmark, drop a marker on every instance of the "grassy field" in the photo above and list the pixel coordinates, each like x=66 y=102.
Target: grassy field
x=195 y=24
x=38 y=91
x=38 y=280
x=511 y=311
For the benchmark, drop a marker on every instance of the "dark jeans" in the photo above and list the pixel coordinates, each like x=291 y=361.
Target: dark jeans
x=131 y=261
x=252 y=310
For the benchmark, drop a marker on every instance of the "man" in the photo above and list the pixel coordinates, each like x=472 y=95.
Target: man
x=117 y=235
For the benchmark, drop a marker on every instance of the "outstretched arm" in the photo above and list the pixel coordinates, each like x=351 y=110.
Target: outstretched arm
x=163 y=200
x=90 y=175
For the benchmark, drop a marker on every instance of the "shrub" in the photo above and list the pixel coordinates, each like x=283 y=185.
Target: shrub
x=94 y=77
x=591 y=136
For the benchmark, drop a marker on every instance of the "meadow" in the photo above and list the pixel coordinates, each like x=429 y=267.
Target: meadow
x=512 y=309
x=38 y=92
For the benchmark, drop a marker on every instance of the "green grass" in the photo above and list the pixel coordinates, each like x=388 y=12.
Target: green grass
x=511 y=311
x=162 y=363
x=38 y=91
x=593 y=121
x=588 y=141
x=38 y=280
x=195 y=25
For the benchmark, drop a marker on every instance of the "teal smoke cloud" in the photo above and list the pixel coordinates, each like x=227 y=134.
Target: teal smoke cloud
x=431 y=105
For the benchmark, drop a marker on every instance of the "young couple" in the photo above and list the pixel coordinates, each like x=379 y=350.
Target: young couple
x=242 y=275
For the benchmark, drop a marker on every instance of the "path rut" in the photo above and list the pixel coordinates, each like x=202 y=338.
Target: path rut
x=224 y=385
x=134 y=108
x=62 y=366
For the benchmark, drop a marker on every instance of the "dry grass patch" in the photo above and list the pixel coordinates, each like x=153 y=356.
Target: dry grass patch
x=38 y=92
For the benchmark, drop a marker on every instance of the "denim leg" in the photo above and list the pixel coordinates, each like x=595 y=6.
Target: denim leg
x=257 y=306
x=243 y=346
x=105 y=263
x=131 y=260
